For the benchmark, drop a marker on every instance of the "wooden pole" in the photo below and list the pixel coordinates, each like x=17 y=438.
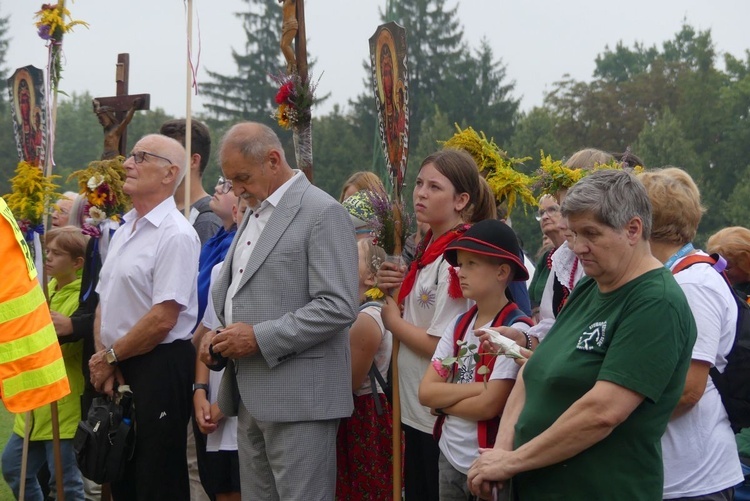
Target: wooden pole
x=25 y=455
x=300 y=48
x=53 y=406
x=396 y=407
x=56 y=451
x=188 y=109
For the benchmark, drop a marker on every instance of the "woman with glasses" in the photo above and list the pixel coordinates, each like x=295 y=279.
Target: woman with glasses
x=549 y=219
x=562 y=266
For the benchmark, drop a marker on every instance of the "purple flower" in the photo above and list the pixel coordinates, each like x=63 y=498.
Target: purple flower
x=44 y=32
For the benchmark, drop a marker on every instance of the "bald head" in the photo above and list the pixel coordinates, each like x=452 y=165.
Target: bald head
x=169 y=148
x=253 y=140
x=252 y=158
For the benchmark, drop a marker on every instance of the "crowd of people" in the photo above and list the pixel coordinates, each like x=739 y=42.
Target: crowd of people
x=256 y=335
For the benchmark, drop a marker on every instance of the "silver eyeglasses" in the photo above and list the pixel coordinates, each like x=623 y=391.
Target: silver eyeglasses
x=551 y=210
x=224 y=185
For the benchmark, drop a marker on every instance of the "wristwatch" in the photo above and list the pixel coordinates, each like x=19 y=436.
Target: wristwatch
x=110 y=356
x=200 y=386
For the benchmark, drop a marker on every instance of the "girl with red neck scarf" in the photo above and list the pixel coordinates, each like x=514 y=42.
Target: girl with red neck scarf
x=449 y=195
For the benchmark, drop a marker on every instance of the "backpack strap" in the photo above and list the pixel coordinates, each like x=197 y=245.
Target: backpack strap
x=374 y=373
x=509 y=315
x=719 y=264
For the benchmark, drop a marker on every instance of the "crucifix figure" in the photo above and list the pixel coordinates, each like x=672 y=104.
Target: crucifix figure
x=116 y=112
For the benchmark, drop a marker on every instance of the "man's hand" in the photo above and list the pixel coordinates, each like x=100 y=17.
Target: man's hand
x=235 y=341
x=102 y=374
x=490 y=469
x=63 y=325
x=203 y=353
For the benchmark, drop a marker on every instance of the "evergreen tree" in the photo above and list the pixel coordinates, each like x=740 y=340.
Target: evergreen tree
x=4 y=44
x=249 y=93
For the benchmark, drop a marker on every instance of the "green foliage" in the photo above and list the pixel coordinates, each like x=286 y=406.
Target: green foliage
x=248 y=93
x=534 y=132
x=663 y=143
x=4 y=44
x=338 y=151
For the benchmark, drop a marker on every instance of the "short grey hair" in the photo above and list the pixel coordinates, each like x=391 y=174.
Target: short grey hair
x=613 y=197
x=252 y=140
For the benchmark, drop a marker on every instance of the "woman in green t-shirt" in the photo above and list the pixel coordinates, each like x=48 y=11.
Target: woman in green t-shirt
x=586 y=415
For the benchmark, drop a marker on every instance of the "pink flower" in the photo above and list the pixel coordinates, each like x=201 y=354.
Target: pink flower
x=442 y=370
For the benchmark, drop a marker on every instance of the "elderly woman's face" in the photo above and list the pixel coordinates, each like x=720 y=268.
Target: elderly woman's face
x=602 y=250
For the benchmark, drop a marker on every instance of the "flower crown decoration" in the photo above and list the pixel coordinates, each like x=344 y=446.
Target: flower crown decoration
x=31 y=190
x=616 y=165
x=499 y=170
x=294 y=98
x=553 y=176
x=101 y=183
x=53 y=21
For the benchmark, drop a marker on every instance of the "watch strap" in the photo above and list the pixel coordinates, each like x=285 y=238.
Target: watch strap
x=200 y=386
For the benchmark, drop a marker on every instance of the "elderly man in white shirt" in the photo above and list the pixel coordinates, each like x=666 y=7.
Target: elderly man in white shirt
x=148 y=306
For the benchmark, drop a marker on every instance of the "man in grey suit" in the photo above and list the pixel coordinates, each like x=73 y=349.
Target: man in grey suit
x=287 y=295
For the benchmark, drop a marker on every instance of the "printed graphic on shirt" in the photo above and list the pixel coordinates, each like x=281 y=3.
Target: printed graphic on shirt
x=593 y=337
x=426 y=297
x=466 y=370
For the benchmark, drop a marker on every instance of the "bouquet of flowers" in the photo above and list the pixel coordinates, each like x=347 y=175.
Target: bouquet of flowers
x=101 y=183
x=294 y=98
x=31 y=190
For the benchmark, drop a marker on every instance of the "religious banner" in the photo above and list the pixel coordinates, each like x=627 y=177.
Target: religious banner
x=27 y=98
x=391 y=86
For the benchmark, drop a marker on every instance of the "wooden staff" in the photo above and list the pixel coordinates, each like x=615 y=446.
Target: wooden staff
x=396 y=407
x=188 y=109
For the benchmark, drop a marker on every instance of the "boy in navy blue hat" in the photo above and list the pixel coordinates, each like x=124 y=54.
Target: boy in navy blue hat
x=469 y=395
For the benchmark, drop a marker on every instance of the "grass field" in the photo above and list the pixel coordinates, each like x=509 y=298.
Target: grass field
x=6 y=428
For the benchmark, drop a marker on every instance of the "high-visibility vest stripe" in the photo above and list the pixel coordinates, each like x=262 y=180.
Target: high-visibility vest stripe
x=35 y=379
x=22 y=326
x=28 y=345
x=30 y=362
x=29 y=399
x=21 y=306
x=32 y=370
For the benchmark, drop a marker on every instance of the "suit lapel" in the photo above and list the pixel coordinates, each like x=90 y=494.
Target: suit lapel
x=279 y=221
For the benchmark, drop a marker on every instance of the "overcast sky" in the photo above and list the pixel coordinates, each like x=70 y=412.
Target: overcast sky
x=539 y=41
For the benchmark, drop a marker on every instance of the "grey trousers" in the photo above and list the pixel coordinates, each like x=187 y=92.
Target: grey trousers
x=286 y=460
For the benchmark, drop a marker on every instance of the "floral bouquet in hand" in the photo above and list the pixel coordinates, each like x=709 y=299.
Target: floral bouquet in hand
x=101 y=183
x=31 y=190
x=384 y=220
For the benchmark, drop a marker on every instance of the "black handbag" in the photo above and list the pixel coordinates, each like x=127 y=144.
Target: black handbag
x=104 y=442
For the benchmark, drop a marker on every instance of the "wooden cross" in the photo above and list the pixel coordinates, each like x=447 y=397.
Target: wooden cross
x=122 y=102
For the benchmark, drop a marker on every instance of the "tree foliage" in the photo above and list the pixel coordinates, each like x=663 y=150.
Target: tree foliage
x=248 y=93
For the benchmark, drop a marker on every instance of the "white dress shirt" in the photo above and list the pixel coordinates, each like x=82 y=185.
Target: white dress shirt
x=152 y=258
x=247 y=240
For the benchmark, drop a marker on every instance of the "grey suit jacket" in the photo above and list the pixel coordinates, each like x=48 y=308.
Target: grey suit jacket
x=299 y=292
